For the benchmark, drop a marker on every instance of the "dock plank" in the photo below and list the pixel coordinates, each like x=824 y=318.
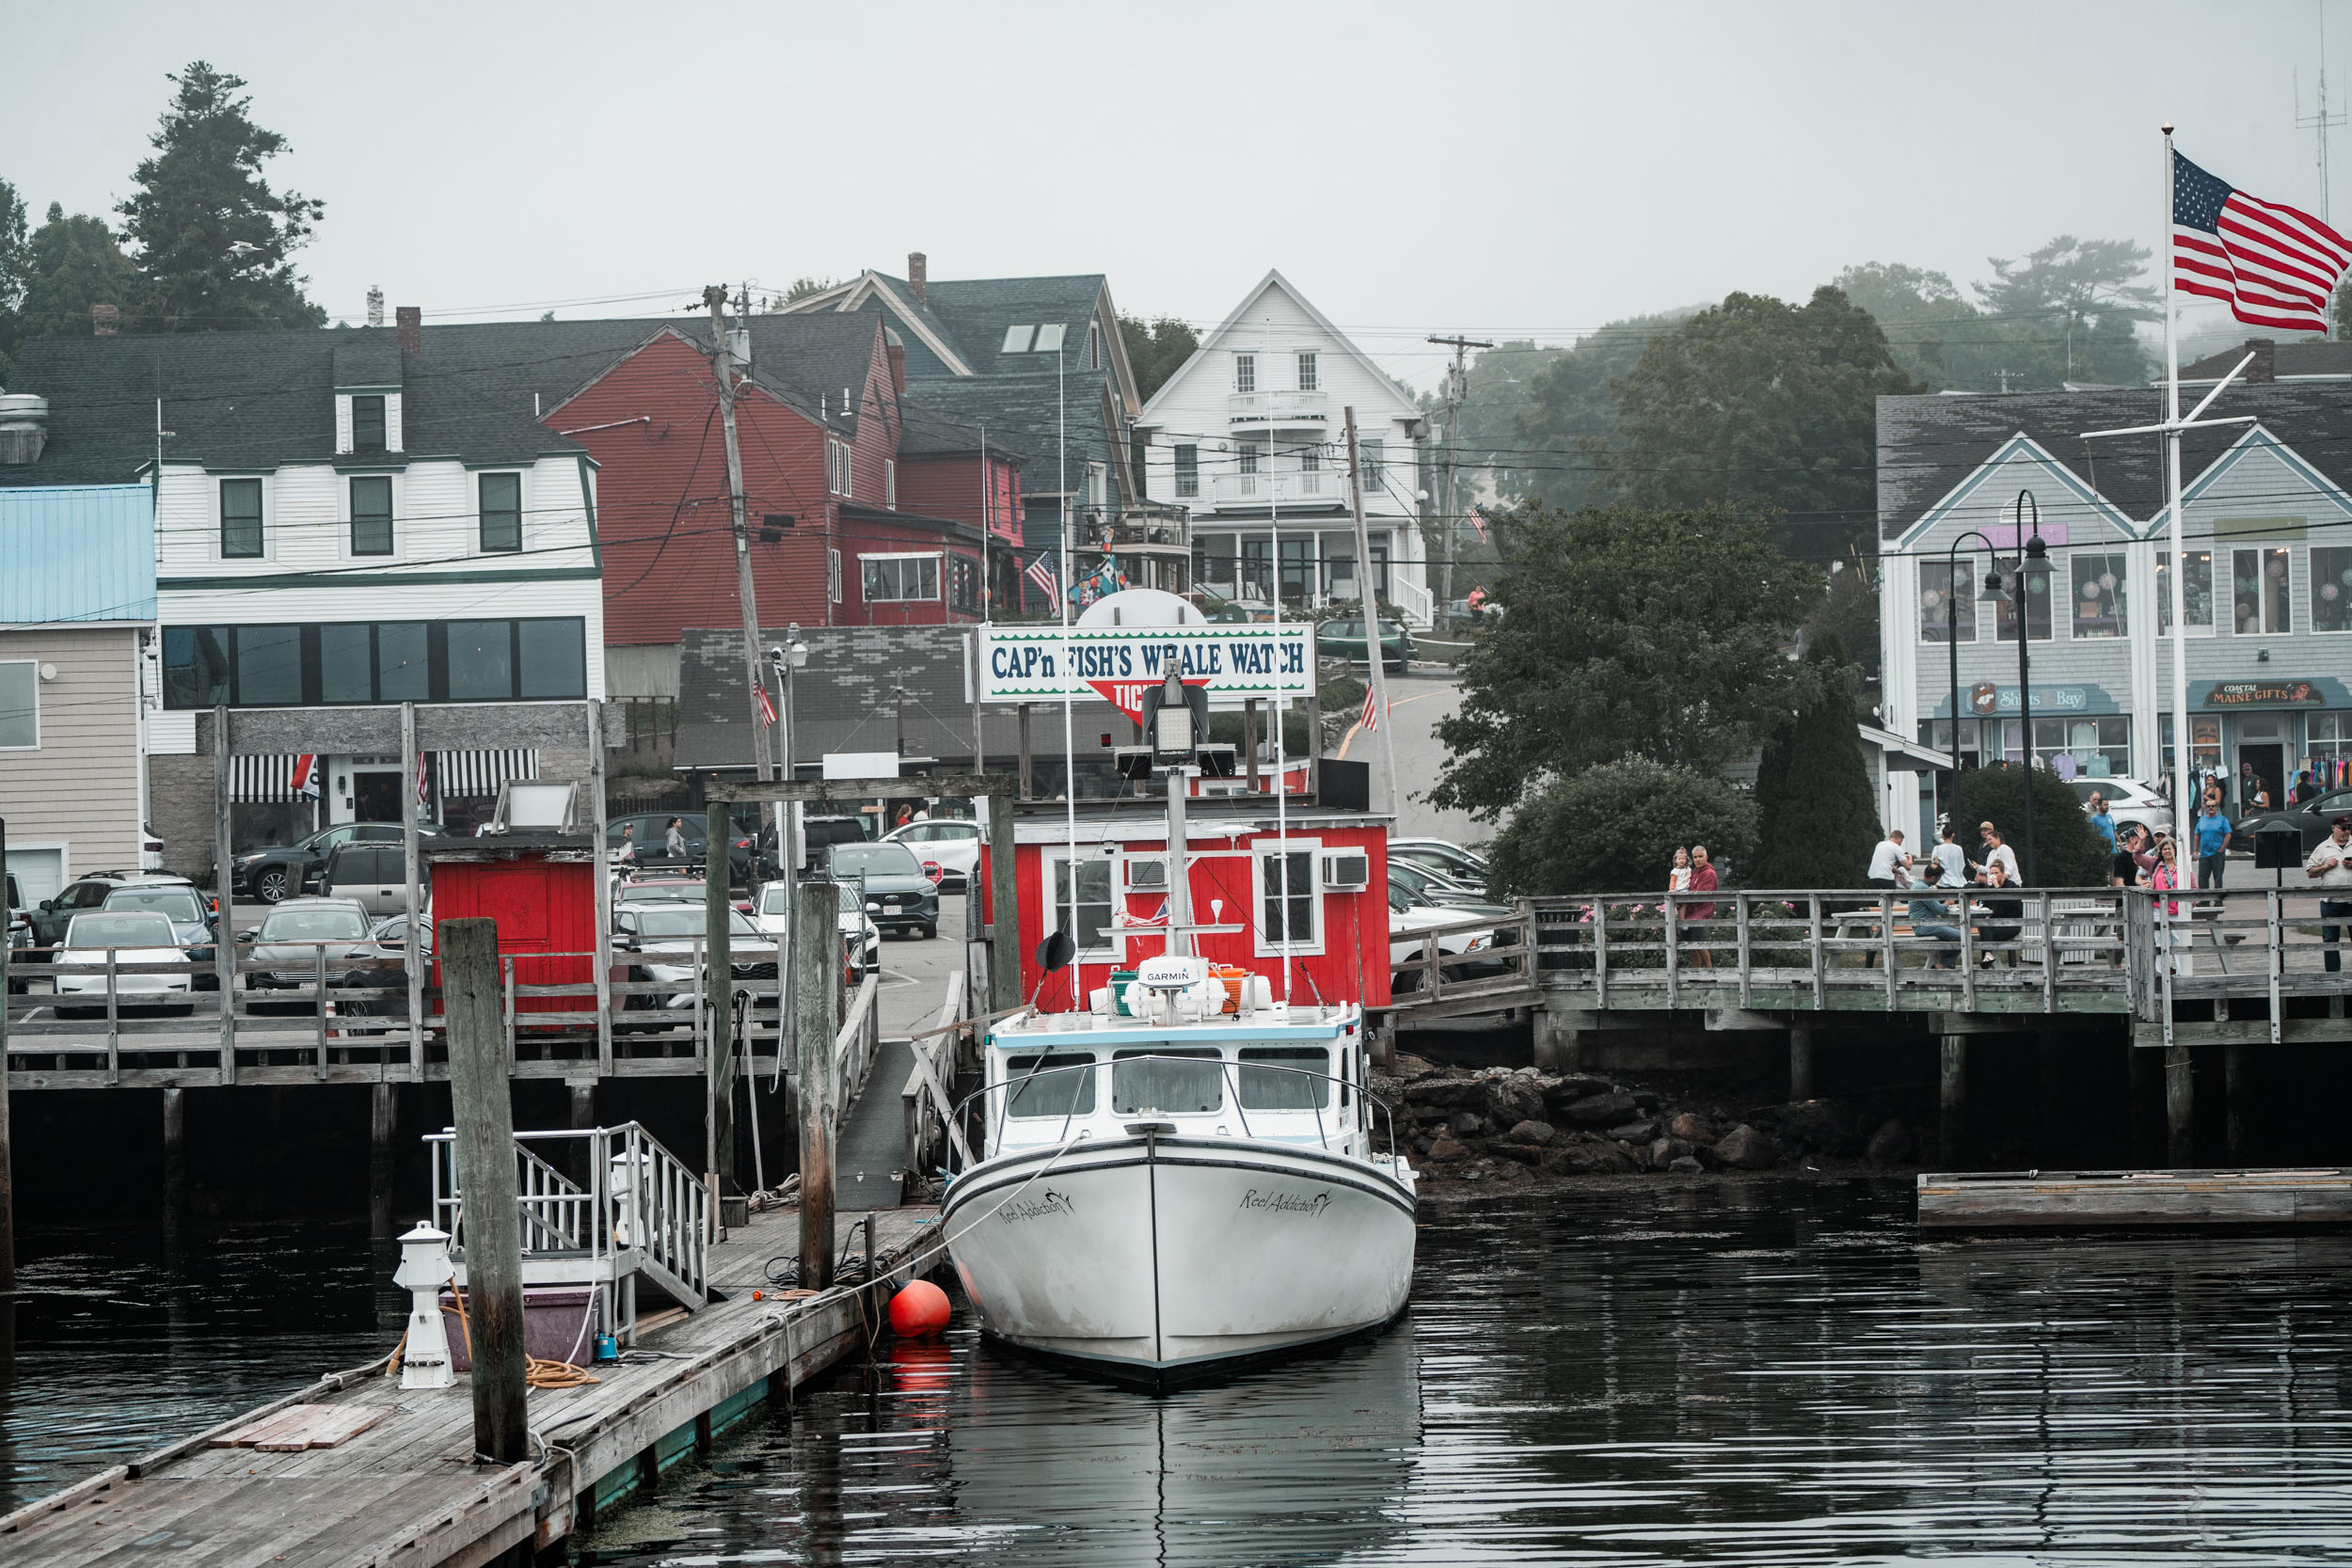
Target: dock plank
x=2047 y=1199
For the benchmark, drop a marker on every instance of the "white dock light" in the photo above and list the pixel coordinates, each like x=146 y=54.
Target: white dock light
x=424 y=1268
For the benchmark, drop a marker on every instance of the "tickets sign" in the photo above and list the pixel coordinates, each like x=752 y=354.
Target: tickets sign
x=1119 y=664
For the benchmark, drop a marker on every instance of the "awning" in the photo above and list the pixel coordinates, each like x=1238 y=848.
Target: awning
x=262 y=780
x=476 y=773
x=1900 y=755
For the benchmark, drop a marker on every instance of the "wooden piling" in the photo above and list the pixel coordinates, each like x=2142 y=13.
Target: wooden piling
x=1953 y=1126
x=2237 y=1093
x=2146 y=1070
x=1799 y=1061
x=175 y=1157
x=1029 y=789
x=2180 y=1108
x=383 y=1123
x=817 y=970
x=492 y=1230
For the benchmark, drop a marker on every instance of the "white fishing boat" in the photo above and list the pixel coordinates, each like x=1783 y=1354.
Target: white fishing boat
x=1185 y=1172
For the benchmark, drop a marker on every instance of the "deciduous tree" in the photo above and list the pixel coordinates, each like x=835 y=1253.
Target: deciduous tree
x=1156 y=349
x=1614 y=829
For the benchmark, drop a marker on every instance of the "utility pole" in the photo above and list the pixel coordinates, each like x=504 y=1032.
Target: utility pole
x=1376 y=667
x=722 y=364
x=1457 y=393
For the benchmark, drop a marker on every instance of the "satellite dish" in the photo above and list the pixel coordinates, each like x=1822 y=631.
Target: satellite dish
x=1055 y=952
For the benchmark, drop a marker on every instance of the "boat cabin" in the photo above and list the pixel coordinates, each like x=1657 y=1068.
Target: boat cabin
x=1332 y=918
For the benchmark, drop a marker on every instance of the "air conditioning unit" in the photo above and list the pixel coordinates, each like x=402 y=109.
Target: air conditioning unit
x=1147 y=873
x=1346 y=871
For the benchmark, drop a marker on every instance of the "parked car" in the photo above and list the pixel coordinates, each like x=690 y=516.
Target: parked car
x=1434 y=889
x=388 y=978
x=2129 y=801
x=289 y=870
x=1345 y=640
x=660 y=889
x=20 y=934
x=374 y=874
x=818 y=834
x=292 y=935
x=1410 y=913
x=1448 y=859
x=861 y=939
x=951 y=843
x=2310 y=819
x=898 y=892
x=132 y=937
x=192 y=917
x=660 y=939
x=84 y=894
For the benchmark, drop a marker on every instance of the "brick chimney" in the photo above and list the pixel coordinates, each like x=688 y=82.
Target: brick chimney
x=105 y=320
x=408 y=321
x=2264 y=370
x=919 y=276
x=898 y=353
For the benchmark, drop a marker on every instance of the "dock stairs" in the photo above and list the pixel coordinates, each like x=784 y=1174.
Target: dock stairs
x=626 y=1213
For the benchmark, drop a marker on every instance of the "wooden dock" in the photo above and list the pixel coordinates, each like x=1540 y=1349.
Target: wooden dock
x=2094 y=1198
x=404 y=1489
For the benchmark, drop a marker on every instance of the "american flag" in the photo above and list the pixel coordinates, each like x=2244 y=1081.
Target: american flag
x=1371 y=719
x=766 y=703
x=2276 y=266
x=424 y=789
x=1041 y=573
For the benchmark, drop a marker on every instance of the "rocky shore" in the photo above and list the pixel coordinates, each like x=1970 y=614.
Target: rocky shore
x=1512 y=1125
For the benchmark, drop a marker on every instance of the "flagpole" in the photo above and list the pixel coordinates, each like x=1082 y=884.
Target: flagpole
x=1069 y=704
x=2183 y=805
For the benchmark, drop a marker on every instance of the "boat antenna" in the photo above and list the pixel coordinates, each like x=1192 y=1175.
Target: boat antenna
x=1281 y=712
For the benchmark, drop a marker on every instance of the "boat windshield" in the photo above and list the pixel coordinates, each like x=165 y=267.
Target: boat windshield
x=1273 y=1089
x=1049 y=1093
x=1173 y=1083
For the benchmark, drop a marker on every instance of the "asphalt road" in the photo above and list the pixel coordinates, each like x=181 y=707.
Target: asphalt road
x=1416 y=701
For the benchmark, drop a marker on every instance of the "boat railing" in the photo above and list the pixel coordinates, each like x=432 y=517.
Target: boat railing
x=999 y=1116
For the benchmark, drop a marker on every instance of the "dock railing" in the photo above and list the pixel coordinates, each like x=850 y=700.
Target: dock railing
x=1466 y=961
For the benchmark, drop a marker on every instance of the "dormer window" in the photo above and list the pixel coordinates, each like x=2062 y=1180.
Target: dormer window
x=367 y=422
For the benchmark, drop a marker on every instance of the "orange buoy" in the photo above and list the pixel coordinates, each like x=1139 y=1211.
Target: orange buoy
x=919 y=1311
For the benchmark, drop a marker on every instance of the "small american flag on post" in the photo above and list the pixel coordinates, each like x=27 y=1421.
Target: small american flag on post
x=424 y=784
x=1041 y=573
x=1371 y=719
x=766 y=704
x=2273 y=265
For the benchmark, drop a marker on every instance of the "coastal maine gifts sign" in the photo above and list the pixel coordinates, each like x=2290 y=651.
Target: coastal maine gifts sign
x=1119 y=664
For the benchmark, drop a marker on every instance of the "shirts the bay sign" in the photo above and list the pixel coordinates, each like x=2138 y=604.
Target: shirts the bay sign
x=1118 y=664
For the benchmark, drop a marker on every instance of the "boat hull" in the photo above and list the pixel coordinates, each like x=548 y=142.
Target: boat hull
x=1158 y=1258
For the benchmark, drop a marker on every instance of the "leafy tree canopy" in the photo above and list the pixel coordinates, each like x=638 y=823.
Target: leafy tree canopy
x=1616 y=828
x=1763 y=406
x=1156 y=349
x=2067 y=849
x=212 y=240
x=1567 y=416
x=1815 y=814
x=15 y=266
x=1626 y=632
x=73 y=262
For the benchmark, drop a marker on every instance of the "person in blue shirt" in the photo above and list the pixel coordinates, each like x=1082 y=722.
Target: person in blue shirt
x=2213 y=846
x=2102 y=819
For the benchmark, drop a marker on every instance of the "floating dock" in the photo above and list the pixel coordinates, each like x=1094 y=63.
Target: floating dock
x=2086 y=1198
x=399 y=1484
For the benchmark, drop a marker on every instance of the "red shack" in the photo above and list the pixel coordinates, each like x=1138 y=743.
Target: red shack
x=541 y=889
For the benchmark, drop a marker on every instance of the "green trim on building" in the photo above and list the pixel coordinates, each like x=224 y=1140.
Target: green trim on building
x=379 y=579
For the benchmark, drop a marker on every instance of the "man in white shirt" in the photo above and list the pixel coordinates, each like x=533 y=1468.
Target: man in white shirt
x=1997 y=853
x=2330 y=866
x=1888 y=860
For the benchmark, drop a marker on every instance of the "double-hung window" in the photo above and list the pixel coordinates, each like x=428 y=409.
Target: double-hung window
x=239 y=519
x=832 y=576
x=2196 y=592
x=1092 y=929
x=2260 y=606
x=2100 y=599
x=367 y=422
x=370 y=514
x=1245 y=373
x=1187 y=470
x=899 y=578
x=1308 y=377
x=838 y=466
x=501 y=511
x=1374 y=455
x=1288 y=912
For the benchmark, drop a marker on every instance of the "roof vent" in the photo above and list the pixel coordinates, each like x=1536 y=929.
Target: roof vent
x=23 y=427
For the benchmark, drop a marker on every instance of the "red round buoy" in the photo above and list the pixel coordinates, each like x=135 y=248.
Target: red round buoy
x=919 y=1311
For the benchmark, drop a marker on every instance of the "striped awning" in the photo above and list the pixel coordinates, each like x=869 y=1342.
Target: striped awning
x=261 y=780
x=461 y=774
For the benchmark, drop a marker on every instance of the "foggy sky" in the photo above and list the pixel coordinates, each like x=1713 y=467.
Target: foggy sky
x=1505 y=170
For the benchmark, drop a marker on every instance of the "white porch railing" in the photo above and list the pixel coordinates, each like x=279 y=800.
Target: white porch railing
x=1417 y=604
x=1322 y=488
x=1272 y=407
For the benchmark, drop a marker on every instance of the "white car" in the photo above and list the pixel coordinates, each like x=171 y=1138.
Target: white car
x=132 y=937
x=772 y=911
x=1451 y=860
x=951 y=843
x=1410 y=913
x=2129 y=801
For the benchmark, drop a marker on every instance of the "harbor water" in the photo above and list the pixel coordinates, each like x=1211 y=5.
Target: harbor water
x=1751 y=1373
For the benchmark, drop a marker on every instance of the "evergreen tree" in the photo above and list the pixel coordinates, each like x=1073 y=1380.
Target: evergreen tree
x=72 y=262
x=15 y=266
x=2067 y=849
x=212 y=238
x=1818 y=822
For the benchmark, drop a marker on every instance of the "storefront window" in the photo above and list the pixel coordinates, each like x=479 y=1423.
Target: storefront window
x=2258 y=592
x=1939 y=605
x=2206 y=742
x=2331 y=588
x=2099 y=597
x=2084 y=747
x=269 y=666
x=2196 y=593
x=1939 y=736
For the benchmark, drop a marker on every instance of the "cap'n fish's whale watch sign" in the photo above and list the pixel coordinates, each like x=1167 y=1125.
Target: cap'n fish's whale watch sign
x=1119 y=664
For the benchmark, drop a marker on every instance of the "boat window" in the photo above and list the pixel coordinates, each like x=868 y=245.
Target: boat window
x=1275 y=1089
x=1046 y=1092
x=1172 y=1081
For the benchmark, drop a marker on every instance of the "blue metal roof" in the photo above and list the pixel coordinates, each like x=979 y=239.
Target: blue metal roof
x=77 y=553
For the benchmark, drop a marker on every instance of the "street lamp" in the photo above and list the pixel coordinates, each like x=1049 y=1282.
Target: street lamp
x=1951 y=629
x=2033 y=561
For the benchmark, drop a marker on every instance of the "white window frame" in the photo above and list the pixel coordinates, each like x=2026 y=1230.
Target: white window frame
x=890 y=481
x=2118 y=558
x=2312 y=587
x=2258 y=552
x=1261 y=851
x=1245 y=373
x=832 y=576
x=837 y=471
x=1094 y=346
x=2163 y=588
x=1310 y=372
x=1114 y=950
x=1310 y=458
x=938 y=574
x=1373 y=451
x=1098 y=484
x=32 y=671
x=1187 y=469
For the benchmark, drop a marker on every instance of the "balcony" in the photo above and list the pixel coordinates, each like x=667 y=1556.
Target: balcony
x=1280 y=408
x=1319 y=489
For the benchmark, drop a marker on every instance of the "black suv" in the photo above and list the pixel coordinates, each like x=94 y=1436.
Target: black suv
x=289 y=870
x=48 y=919
x=897 y=894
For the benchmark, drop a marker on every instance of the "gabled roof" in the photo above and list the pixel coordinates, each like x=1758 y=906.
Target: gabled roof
x=1238 y=321
x=979 y=310
x=1929 y=447
x=895 y=295
x=946 y=416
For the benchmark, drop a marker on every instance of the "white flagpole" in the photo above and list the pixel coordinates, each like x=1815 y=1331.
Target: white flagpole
x=2183 y=803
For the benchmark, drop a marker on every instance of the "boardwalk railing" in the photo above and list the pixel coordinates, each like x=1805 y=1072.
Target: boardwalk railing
x=1453 y=966
x=2125 y=951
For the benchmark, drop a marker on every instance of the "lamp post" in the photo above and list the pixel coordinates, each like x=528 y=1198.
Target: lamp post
x=1951 y=631
x=2033 y=558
